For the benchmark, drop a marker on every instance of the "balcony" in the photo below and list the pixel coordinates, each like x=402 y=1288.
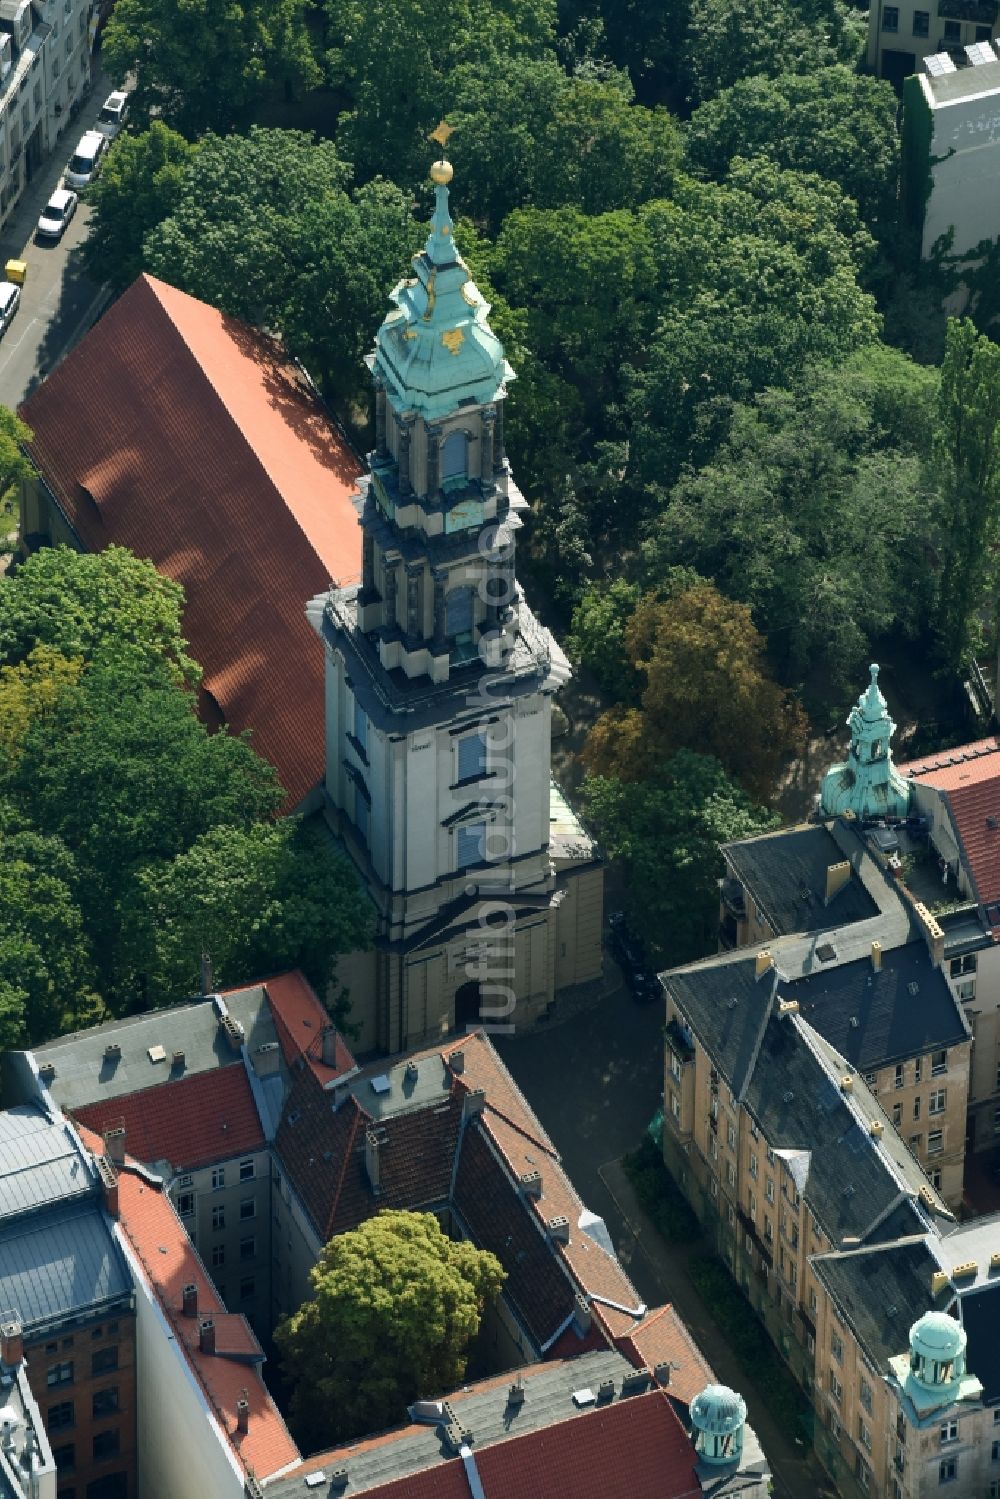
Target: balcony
x=982 y=12
x=733 y=897
x=680 y=1043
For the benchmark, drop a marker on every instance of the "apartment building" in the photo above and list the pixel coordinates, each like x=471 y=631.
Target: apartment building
x=27 y=1467
x=902 y=34
x=44 y=71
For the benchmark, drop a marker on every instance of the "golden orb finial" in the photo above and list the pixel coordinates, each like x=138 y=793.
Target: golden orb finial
x=442 y=172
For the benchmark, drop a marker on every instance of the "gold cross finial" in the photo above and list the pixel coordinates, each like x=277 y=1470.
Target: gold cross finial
x=441 y=134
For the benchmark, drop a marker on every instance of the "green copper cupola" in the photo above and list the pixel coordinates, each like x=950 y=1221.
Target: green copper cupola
x=867 y=783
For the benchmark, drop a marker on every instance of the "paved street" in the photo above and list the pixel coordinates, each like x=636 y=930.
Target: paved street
x=595 y=1081
x=59 y=302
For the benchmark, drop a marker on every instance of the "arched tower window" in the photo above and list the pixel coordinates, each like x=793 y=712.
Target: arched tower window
x=455 y=456
x=461 y=616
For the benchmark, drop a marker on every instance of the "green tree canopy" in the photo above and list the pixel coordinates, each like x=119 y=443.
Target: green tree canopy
x=80 y=603
x=665 y=833
x=259 y=899
x=809 y=513
x=705 y=686
x=396 y=1305
x=597 y=640
x=833 y=122
x=732 y=39
x=201 y=65
x=139 y=186
x=264 y=228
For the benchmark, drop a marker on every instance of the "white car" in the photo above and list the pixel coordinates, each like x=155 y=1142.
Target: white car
x=114 y=114
x=10 y=301
x=56 y=214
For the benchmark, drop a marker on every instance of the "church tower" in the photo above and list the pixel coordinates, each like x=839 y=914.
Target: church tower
x=867 y=783
x=439 y=688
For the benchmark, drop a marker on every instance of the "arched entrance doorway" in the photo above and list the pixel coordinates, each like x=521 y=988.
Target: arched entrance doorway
x=468 y=1002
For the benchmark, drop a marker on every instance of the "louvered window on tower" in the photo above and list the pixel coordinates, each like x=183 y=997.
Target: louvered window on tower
x=454 y=456
x=472 y=757
x=461 y=619
x=470 y=844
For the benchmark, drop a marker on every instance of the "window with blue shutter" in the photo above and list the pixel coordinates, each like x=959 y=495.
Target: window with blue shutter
x=454 y=456
x=470 y=844
x=472 y=757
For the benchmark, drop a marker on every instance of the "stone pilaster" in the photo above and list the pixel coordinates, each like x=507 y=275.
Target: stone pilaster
x=440 y=641
x=433 y=461
x=487 y=447
x=391 y=592
x=414 y=623
x=405 y=484
x=381 y=447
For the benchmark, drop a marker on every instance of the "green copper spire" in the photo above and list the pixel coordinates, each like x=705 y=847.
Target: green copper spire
x=436 y=351
x=867 y=783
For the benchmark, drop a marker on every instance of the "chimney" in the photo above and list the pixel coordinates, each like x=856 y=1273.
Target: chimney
x=877 y=956
x=876 y=1129
x=189 y=1300
x=473 y=1103
x=11 y=1341
x=581 y=1315
x=515 y=1395
x=787 y=1007
x=531 y=1183
x=558 y=1228
x=267 y=1059
x=372 y=1160
x=114 y=1144
x=762 y=963
x=661 y=1373
x=243 y=1413
x=207 y=983
x=846 y=1083
x=837 y=876
x=177 y=1061
x=933 y=932
x=206 y=1335
x=329 y=1038
x=233 y=1031
x=457 y=1060
x=109 y=1184
x=112 y=1051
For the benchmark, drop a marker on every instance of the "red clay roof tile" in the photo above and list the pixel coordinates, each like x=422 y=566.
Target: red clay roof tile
x=662 y=1338
x=299 y=1020
x=191 y=1122
x=187 y=437
x=968 y=778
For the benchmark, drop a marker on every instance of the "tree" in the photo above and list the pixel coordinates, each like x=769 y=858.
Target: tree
x=396 y=1304
x=967 y=463
x=28 y=691
x=14 y=436
x=80 y=603
x=833 y=122
x=124 y=773
x=665 y=832
x=259 y=898
x=597 y=640
x=732 y=39
x=202 y=66
x=46 y=970
x=809 y=513
x=265 y=229
x=705 y=687
x=139 y=186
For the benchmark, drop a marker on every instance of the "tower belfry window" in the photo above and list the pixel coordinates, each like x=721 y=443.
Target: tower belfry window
x=454 y=456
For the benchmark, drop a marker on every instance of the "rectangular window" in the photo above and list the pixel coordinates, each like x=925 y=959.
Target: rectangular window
x=753 y=1208
x=104 y=1361
x=105 y=1401
x=935 y=1180
x=248 y=1248
x=218 y=1255
x=871 y=1078
x=948 y=1470
x=248 y=1208
x=713 y=1147
x=864 y=1434
x=916 y=1108
x=185 y=1181
x=897 y=1114
x=915 y=1143
x=715 y=1187
x=996 y=1121
x=939 y=1063
x=675 y=1106
x=890 y=18
x=185 y=1204
x=918 y=1070
x=836 y=1388
x=768 y=1231
x=935 y=1142
x=64 y=1459
x=469 y=844
x=246 y=1171
x=865 y=1395
x=837 y=1347
x=730 y=1173
x=472 y=757
x=921 y=23
x=248 y=1288
x=731 y=1136
x=813 y=1303
x=61 y=1416
x=769 y=1190
x=995 y=1452
x=899 y=1075
x=675 y=1067
x=770 y=1156
x=952 y=33
x=936 y=1103
x=753 y=1162
x=107 y=1444
x=59 y=1374
x=949 y=1432
x=218 y=1217
x=218 y=1178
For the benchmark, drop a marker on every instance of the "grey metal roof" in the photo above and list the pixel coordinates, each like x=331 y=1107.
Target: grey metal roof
x=484 y=1411
x=880 y=1293
x=962 y=85
x=785 y=875
x=40 y=1161
x=84 y=1074
x=60 y=1262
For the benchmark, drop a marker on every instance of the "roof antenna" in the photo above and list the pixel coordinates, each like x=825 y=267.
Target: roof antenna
x=207 y=987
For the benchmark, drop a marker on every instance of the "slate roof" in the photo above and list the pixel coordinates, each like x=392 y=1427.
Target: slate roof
x=187 y=437
x=880 y=1293
x=785 y=875
x=169 y=1263
x=192 y=1122
x=968 y=779
x=541 y=1449
x=727 y=1006
x=902 y=1011
x=60 y=1262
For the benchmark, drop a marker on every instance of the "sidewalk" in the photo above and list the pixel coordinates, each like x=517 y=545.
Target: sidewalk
x=797 y=1474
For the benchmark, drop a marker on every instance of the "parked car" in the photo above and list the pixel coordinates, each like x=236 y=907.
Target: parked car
x=10 y=301
x=85 y=163
x=113 y=115
x=56 y=214
x=633 y=961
